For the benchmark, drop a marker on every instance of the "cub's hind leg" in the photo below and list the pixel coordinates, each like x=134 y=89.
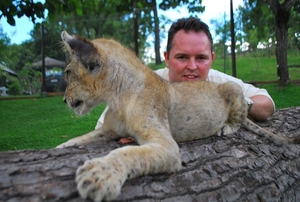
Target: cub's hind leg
x=236 y=106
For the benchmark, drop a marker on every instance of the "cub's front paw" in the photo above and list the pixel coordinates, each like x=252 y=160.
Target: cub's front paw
x=99 y=180
x=69 y=143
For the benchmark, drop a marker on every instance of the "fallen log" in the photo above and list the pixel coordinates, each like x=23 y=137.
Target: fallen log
x=238 y=167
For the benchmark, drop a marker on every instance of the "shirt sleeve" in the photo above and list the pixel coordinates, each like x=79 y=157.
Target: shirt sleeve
x=101 y=119
x=163 y=73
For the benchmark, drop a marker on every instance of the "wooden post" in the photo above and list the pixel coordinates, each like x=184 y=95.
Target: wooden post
x=136 y=30
x=43 y=60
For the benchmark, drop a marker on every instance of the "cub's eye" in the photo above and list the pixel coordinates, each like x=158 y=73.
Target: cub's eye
x=91 y=67
x=67 y=72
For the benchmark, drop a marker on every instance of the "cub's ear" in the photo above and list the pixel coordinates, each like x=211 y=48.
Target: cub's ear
x=82 y=50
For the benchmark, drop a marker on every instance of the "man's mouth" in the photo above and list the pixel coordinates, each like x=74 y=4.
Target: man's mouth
x=190 y=78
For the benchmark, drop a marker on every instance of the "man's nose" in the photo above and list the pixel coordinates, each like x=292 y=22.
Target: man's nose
x=192 y=65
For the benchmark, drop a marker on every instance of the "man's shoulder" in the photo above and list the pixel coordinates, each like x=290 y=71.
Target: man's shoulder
x=219 y=77
x=163 y=73
x=213 y=72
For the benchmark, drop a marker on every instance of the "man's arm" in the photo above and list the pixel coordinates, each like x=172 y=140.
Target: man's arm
x=262 y=108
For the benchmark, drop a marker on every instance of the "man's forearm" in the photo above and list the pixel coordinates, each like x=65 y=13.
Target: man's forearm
x=262 y=108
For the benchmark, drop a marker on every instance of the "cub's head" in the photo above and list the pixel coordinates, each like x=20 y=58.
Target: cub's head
x=85 y=73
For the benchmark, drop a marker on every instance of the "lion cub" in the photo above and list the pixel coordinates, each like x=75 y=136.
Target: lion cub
x=154 y=112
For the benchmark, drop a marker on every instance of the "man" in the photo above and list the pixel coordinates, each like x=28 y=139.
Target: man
x=189 y=57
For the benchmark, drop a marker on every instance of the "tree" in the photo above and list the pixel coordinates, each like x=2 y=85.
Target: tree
x=232 y=34
x=156 y=33
x=95 y=13
x=294 y=24
x=4 y=44
x=276 y=15
x=12 y=8
x=52 y=40
x=282 y=12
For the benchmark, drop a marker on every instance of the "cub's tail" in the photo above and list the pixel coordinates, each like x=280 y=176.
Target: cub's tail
x=248 y=124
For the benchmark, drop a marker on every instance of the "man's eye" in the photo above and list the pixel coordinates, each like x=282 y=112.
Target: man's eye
x=201 y=57
x=181 y=57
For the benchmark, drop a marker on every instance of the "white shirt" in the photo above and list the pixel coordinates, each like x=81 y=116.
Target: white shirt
x=214 y=76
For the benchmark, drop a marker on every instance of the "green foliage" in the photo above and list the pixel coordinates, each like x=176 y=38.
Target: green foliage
x=15 y=56
x=294 y=24
x=193 y=6
x=52 y=41
x=253 y=12
x=4 y=41
x=30 y=79
x=12 y=8
x=14 y=87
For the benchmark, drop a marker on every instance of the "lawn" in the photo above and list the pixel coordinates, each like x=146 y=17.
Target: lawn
x=40 y=123
x=259 y=69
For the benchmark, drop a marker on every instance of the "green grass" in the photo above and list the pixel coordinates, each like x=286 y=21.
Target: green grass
x=256 y=69
x=252 y=69
x=284 y=97
x=41 y=123
x=46 y=122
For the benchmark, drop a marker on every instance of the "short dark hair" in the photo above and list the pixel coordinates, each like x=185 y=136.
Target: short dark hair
x=188 y=24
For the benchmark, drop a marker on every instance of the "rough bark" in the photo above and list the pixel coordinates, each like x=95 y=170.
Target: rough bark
x=238 y=167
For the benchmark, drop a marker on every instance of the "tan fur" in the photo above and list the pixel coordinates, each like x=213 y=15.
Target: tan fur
x=148 y=108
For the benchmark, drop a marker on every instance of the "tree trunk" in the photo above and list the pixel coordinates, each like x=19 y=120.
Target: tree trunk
x=282 y=15
x=238 y=167
x=156 y=32
x=281 y=47
x=136 y=30
x=232 y=32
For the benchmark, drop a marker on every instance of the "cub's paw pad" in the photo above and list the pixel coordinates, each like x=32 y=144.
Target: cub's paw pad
x=97 y=180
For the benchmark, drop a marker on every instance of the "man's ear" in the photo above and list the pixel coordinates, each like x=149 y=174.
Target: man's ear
x=213 y=55
x=166 y=56
x=82 y=50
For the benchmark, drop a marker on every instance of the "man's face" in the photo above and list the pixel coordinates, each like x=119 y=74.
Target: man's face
x=190 y=57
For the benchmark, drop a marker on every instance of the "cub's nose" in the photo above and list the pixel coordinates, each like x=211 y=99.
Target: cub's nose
x=64 y=99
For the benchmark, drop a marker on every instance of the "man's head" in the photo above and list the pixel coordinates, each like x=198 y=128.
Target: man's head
x=189 y=52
